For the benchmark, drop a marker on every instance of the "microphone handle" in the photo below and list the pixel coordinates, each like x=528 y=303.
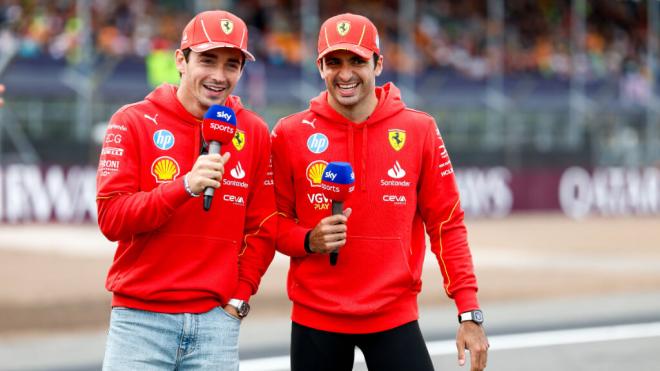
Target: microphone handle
x=337 y=208
x=214 y=148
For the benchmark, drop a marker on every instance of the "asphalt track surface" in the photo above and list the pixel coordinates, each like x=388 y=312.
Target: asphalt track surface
x=589 y=333
x=622 y=347
x=558 y=295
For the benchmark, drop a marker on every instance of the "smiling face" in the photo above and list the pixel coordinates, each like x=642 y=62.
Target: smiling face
x=351 y=83
x=207 y=78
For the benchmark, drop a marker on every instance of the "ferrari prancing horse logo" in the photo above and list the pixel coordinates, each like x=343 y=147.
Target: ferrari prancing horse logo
x=397 y=138
x=227 y=26
x=239 y=140
x=343 y=27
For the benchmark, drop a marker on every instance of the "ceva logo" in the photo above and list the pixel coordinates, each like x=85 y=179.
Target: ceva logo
x=395 y=199
x=236 y=200
x=163 y=139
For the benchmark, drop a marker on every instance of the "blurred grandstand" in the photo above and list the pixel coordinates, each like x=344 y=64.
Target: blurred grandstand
x=522 y=84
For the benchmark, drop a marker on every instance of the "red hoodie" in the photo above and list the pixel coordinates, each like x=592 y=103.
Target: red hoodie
x=172 y=256
x=404 y=181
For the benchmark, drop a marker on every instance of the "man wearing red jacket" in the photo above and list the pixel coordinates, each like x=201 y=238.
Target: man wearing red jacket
x=182 y=277
x=404 y=183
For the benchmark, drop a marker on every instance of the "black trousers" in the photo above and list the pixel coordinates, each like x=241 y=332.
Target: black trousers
x=399 y=349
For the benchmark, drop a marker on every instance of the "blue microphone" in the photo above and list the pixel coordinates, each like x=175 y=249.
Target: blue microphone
x=218 y=127
x=337 y=183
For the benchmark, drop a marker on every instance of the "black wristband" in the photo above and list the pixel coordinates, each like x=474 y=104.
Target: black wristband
x=307 y=249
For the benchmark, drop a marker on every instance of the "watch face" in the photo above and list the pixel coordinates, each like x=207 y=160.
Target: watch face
x=243 y=309
x=478 y=316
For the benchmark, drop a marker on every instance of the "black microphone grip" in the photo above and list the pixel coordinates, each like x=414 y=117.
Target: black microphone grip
x=337 y=208
x=214 y=148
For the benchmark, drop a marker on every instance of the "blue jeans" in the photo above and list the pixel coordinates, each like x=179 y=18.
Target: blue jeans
x=141 y=340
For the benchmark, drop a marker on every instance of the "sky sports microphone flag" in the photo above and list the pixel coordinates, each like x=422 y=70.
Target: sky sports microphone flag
x=218 y=127
x=338 y=182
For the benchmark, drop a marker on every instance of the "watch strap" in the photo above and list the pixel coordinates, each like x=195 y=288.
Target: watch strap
x=242 y=307
x=476 y=316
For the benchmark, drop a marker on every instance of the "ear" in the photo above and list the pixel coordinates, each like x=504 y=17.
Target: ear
x=379 y=66
x=180 y=61
x=319 y=65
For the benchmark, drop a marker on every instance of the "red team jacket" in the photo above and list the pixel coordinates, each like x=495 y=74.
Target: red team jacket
x=404 y=181
x=172 y=256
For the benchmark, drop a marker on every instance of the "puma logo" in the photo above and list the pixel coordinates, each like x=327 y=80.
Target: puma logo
x=151 y=118
x=310 y=123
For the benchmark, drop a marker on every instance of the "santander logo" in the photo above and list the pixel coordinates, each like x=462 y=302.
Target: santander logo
x=238 y=172
x=396 y=172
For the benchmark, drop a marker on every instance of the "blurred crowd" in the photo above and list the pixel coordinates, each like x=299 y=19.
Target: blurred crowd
x=534 y=36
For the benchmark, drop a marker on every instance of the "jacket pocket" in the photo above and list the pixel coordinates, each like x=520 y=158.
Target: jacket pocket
x=371 y=272
x=176 y=267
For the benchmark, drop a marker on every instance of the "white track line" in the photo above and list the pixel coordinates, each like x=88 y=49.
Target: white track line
x=502 y=342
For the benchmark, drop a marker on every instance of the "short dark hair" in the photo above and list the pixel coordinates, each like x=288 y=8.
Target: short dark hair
x=186 y=56
x=186 y=53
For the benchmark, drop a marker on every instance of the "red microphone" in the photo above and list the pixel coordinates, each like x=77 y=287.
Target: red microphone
x=337 y=183
x=218 y=127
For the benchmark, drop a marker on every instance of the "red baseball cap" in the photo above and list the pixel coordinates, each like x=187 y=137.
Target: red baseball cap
x=350 y=32
x=216 y=29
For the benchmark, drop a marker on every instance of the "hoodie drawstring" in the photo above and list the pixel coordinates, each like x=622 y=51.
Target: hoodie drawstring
x=363 y=180
x=351 y=152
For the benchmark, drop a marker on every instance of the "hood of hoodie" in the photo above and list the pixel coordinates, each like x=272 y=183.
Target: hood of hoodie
x=164 y=97
x=389 y=104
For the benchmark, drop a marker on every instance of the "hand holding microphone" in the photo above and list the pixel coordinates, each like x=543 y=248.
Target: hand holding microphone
x=218 y=128
x=337 y=183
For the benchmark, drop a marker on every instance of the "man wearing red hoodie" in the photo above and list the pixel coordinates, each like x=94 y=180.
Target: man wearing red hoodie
x=404 y=184
x=182 y=277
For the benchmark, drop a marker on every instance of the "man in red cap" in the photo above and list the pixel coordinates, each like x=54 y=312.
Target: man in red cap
x=404 y=184
x=182 y=277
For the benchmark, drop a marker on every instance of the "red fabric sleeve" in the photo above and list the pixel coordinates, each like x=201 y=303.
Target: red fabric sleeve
x=260 y=224
x=290 y=235
x=439 y=204
x=123 y=209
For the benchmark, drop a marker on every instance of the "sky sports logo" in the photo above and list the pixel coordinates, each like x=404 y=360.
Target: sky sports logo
x=223 y=115
x=222 y=127
x=330 y=175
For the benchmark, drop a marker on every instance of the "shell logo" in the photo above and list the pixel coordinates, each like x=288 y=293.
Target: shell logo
x=314 y=172
x=164 y=169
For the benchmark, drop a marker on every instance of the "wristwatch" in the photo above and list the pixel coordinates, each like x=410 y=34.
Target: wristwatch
x=476 y=316
x=242 y=307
